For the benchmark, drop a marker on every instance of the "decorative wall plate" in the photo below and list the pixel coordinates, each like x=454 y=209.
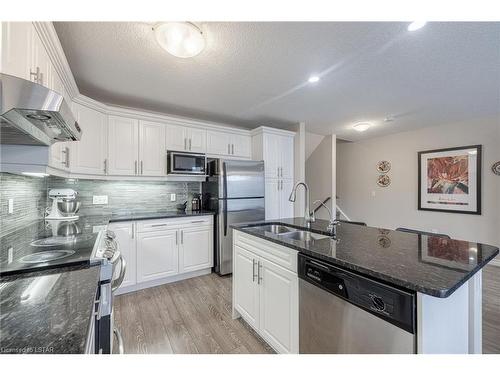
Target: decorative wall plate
x=383 y=166
x=383 y=180
x=496 y=168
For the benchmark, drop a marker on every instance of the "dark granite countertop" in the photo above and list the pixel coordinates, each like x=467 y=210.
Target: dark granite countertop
x=47 y=312
x=428 y=264
x=156 y=215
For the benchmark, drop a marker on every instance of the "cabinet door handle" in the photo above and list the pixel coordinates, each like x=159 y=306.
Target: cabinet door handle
x=281 y=184
x=278 y=171
x=142 y=169
x=229 y=149
x=105 y=166
x=185 y=143
x=281 y=171
x=259 y=277
x=197 y=221
x=67 y=157
x=158 y=225
x=253 y=270
x=232 y=149
x=135 y=167
x=190 y=144
x=35 y=74
x=133 y=230
x=176 y=237
x=182 y=237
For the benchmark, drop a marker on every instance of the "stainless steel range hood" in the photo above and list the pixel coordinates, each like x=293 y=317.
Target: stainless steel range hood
x=31 y=114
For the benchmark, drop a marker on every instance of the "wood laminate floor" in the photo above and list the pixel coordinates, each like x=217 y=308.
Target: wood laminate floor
x=189 y=316
x=194 y=316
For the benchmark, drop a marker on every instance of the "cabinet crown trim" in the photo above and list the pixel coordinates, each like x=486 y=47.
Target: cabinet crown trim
x=266 y=129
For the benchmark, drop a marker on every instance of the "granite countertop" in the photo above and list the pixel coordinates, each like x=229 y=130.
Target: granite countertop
x=428 y=264
x=47 y=312
x=128 y=216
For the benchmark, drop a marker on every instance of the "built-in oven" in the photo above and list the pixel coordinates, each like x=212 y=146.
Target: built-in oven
x=186 y=163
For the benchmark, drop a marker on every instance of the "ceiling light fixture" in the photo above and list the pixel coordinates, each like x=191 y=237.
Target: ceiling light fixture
x=181 y=39
x=415 y=25
x=362 y=126
x=313 y=79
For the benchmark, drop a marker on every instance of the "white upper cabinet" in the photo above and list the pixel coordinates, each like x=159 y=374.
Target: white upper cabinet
x=229 y=144
x=88 y=155
x=218 y=143
x=152 y=151
x=123 y=145
x=286 y=157
x=41 y=69
x=183 y=138
x=272 y=155
x=16 y=48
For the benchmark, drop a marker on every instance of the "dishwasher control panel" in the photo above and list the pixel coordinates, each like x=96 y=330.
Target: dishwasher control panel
x=389 y=303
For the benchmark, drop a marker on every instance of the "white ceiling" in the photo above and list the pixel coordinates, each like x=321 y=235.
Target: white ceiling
x=256 y=73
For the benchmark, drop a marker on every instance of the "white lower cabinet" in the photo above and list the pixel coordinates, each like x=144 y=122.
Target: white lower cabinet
x=125 y=236
x=157 y=255
x=265 y=294
x=194 y=254
x=164 y=250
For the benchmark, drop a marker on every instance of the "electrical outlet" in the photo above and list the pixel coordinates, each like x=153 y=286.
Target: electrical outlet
x=172 y=197
x=11 y=206
x=99 y=199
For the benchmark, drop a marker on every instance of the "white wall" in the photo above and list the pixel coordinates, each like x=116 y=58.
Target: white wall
x=320 y=173
x=396 y=205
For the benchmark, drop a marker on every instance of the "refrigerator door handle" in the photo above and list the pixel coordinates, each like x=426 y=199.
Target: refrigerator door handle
x=224 y=196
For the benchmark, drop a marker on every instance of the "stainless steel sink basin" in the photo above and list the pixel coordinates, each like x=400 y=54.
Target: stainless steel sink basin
x=302 y=235
x=277 y=229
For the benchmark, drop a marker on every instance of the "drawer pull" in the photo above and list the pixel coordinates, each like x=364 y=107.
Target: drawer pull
x=198 y=221
x=158 y=225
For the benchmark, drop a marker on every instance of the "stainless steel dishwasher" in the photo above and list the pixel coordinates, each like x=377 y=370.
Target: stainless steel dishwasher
x=342 y=312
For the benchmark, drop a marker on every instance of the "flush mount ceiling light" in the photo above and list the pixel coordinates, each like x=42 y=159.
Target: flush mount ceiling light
x=416 y=25
x=181 y=39
x=362 y=126
x=313 y=79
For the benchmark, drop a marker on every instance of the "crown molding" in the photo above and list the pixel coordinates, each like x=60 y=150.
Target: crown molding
x=268 y=130
x=50 y=40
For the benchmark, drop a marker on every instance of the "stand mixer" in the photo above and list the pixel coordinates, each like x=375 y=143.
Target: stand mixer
x=64 y=205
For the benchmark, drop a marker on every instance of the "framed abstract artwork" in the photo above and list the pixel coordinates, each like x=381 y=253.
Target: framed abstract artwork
x=449 y=180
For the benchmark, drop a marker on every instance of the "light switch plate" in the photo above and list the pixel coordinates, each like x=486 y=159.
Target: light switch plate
x=11 y=206
x=172 y=197
x=99 y=199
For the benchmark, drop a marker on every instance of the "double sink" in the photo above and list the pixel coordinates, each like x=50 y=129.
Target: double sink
x=292 y=233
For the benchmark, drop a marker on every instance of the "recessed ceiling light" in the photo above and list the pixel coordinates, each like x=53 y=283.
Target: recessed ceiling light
x=35 y=174
x=362 y=126
x=181 y=39
x=313 y=79
x=416 y=25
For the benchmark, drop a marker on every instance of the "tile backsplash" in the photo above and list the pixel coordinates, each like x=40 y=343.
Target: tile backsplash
x=30 y=196
x=126 y=196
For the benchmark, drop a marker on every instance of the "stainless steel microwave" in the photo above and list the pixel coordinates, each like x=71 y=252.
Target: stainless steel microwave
x=186 y=163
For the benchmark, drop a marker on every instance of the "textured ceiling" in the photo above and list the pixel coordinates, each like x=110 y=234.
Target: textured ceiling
x=254 y=74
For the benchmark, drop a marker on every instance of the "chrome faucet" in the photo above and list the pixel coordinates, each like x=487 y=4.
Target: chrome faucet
x=332 y=225
x=293 y=195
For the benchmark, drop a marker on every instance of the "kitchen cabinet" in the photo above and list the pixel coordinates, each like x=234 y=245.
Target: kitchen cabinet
x=183 y=138
x=228 y=144
x=123 y=143
x=41 y=69
x=152 y=151
x=157 y=254
x=89 y=154
x=16 y=48
x=265 y=293
x=164 y=250
x=125 y=237
x=246 y=290
x=276 y=148
x=194 y=254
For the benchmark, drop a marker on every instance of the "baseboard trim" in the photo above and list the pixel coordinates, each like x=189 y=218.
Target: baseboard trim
x=165 y=280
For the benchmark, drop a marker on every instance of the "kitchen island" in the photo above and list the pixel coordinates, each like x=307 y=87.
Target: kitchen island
x=443 y=274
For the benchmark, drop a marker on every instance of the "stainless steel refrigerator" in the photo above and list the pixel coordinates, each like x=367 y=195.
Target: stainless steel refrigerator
x=235 y=191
